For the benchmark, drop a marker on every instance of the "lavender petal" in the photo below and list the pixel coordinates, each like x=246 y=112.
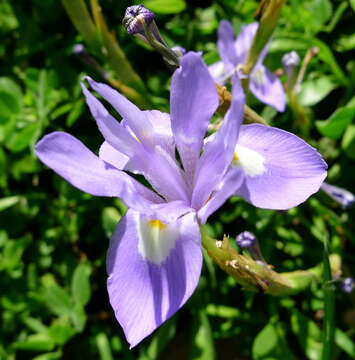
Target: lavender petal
x=281 y=170
x=146 y=285
x=267 y=88
x=193 y=101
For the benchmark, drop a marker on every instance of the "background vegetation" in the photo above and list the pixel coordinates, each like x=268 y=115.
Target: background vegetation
x=53 y=238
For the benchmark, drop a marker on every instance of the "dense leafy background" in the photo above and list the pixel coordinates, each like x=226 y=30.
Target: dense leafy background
x=53 y=238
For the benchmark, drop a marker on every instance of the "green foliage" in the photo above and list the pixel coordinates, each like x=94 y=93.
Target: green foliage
x=54 y=238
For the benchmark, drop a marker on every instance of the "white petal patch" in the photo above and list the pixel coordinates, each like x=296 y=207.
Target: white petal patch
x=156 y=239
x=249 y=160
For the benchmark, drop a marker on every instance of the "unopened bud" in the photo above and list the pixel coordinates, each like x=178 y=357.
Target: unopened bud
x=139 y=21
x=248 y=241
x=344 y=197
x=348 y=284
x=78 y=49
x=290 y=61
x=134 y=16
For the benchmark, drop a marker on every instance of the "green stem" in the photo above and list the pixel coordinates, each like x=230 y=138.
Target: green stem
x=81 y=19
x=329 y=303
x=256 y=277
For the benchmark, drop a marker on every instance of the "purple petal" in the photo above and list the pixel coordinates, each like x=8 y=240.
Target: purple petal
x=162 y=136
x=281 y=170
x=218 y=153
x=244 y=41
x=153 y=270
x=136 y=119
x=112 y=156
x=193 y=101
x=219 y=72
x=226 y=188
x=113 y=132
x=267 y=88
x=154 y=162
x=225 y=43
x=72 y=160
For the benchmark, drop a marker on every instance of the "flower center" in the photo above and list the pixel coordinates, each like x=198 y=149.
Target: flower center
x=259 y=76
x=249 y=160
x=156 y=239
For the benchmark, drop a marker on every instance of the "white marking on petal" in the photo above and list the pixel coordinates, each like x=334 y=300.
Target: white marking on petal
x=156 y=239
x=249 y=160
x=259 y=76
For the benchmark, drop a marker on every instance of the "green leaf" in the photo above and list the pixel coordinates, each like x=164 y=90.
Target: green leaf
x=265 y=342
x=344 y=342
x=165 y=6
x=315 y=90
x=348 y=141
x=78 y=317
x=202 y=345
x=36 y=342
x=160 y=339
x=7 y=202
x=336 y=124
x=20 y=139
x=308 y=334
x=58 y=300
x=60 y=333
x=110 y=219
x=352 y=3
x=104 y=346
x=49 y=356
x=11 y=98
x=80 y=286
x=323 y=9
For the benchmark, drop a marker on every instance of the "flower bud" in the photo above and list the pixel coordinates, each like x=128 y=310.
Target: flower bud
x=344 y=197
x=139 y=21
x=248 y=241
x=348 y=284
x=134 y=16
x=290 y=62
x=78 y=49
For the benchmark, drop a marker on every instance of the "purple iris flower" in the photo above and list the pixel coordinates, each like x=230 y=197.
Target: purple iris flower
x=154 y=259
x=263 y=83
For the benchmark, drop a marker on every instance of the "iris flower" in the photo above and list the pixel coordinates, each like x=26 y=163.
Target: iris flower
x=154 y=258
x=262 y=83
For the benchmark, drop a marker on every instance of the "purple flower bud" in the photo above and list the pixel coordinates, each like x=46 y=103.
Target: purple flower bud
x=348 y=284
x=290 y=60
x=133 y=17
x=78 y=49
x=344 y=197
x=248 y=241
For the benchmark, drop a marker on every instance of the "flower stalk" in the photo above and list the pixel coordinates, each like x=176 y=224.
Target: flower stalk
x=255 y=277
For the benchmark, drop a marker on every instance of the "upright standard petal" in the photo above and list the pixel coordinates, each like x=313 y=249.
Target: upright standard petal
x=72 y=160
x=148 y=160
x=280 y=169
x=225 y=43
x=193 y=101
x=153 y=269
x=244 y=41
x=267 y=88
x=113 y=132
x=218 y=153
x=135 y=118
